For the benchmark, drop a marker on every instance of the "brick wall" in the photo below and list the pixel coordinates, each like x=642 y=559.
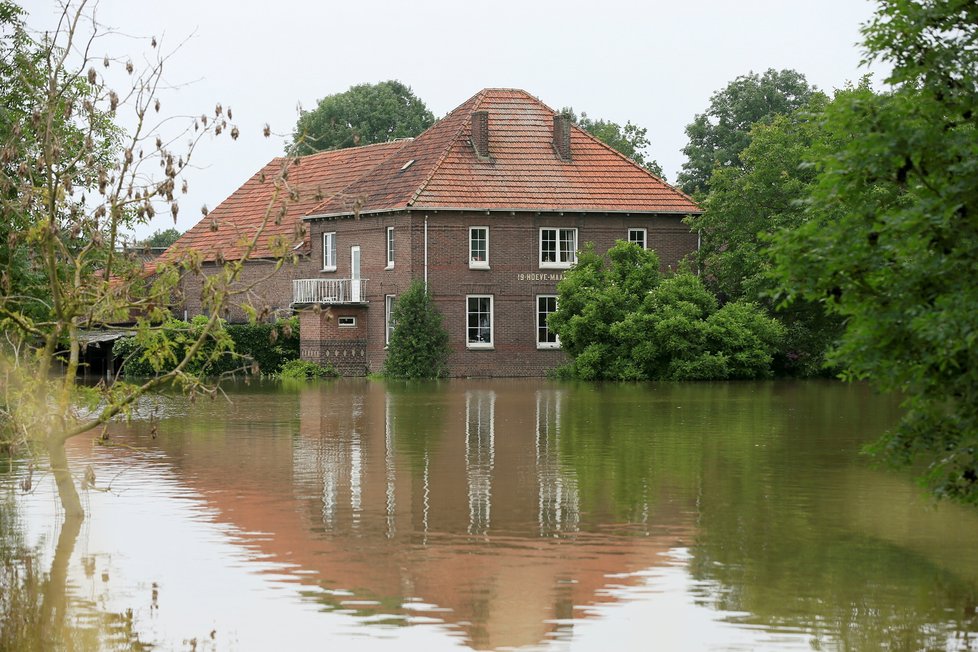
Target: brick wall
x=264 y=287
x=514 y=277
x=324 y=338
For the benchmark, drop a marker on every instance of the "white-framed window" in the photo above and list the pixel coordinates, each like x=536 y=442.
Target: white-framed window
x=346 y=322
x=390 y=247
x=388 y=317
x=329 y=252
x=558 y=247
x=546 y=338
x=479 y=247
x=638 y=236
x=478 y=321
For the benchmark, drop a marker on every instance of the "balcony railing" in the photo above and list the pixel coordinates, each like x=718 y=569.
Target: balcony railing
x=329 y=290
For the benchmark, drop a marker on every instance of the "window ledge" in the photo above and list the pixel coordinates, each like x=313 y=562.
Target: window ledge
x=328 y=269
x=548 y=346
x=478 y=265
x=479 y=347
x=556 y=265
x=389 y=267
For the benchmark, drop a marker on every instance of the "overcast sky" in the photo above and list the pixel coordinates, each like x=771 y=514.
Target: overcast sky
x=654 y=63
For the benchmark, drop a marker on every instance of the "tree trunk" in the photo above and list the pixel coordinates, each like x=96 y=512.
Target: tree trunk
x=67 y=492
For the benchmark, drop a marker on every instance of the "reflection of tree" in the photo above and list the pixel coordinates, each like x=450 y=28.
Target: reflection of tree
x=776 y=540
x=34 y=606
x=417 y=414
x=621 y=442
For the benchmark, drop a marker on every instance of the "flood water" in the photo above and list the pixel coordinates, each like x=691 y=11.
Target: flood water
x=363 y=514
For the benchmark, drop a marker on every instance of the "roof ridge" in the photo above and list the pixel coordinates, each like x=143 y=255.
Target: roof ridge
x=403 y=143
x=339 y=150
x=479 y=97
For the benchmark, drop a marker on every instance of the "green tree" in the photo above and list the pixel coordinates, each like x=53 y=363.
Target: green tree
x=893 y=239
x=767 y=193
x=619 y=321
x=162 y=238
x=72 y=194
x=363 y=115
x=418 y=347
x=722 y=132
x=630 y=140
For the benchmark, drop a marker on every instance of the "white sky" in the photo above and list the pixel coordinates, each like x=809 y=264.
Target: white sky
x=655 y=63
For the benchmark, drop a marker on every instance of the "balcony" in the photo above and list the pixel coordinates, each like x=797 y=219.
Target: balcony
x=329 y=291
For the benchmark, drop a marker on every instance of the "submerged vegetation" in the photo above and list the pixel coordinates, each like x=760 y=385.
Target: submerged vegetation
x=620 y=320
x=255 y=348
x=418 y=346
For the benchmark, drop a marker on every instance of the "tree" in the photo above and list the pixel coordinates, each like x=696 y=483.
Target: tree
x=73 y=181
x=893 y=237
x=162 y=238
x=630 y=140
x=618 y=320
x=418 y=346
x=747 y=204
x=363 y=115
x=722 y=132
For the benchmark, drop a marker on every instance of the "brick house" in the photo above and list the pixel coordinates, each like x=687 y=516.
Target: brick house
x=489 y=206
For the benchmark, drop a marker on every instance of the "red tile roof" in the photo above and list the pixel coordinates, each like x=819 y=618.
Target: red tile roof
x=523 y=172
x=308 y=181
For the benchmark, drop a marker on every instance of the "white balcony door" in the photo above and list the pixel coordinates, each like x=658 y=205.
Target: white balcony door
x=355 y=274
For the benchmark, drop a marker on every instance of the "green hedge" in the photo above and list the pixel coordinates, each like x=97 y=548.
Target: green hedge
x=254 y=348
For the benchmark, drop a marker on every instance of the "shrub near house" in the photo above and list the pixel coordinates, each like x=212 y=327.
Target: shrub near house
x=619 y=320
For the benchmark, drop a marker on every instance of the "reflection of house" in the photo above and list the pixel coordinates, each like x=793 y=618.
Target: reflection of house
x=489 y=207
x=460 y=501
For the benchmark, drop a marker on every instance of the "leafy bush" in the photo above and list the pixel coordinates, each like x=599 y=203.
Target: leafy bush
x=619 y=321
x=305 y=370
x=418 y=346
x=259 y=347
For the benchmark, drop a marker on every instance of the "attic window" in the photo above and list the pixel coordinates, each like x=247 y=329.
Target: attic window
x=407 y=165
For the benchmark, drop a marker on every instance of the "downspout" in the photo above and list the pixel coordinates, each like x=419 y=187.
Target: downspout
x=426 y=253
x=699 y=243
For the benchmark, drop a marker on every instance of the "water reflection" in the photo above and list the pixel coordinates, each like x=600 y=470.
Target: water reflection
x=519 y=514
x=480 y=455
x=559 y=509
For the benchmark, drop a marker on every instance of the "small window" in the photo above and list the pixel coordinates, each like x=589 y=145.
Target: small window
x=347 y=322
x=558 y=247
x=478 y=329
x=329 y=252
x=638 y=237
x=390 y=247
x=546 y=338
x=388 y=318
x=479 y=247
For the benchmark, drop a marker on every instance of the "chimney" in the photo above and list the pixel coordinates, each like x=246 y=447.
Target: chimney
x=562 y=137
x=480 y=133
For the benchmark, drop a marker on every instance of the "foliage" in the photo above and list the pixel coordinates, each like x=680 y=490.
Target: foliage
x=722 y=132
x=630 y=140
x=162 y=238
x=619 y=321
x=252 y=347
x=748 y=204
x=418 y=346
x=363 y=115
x=306 y=369
x=71 y=181
x=893 y=238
